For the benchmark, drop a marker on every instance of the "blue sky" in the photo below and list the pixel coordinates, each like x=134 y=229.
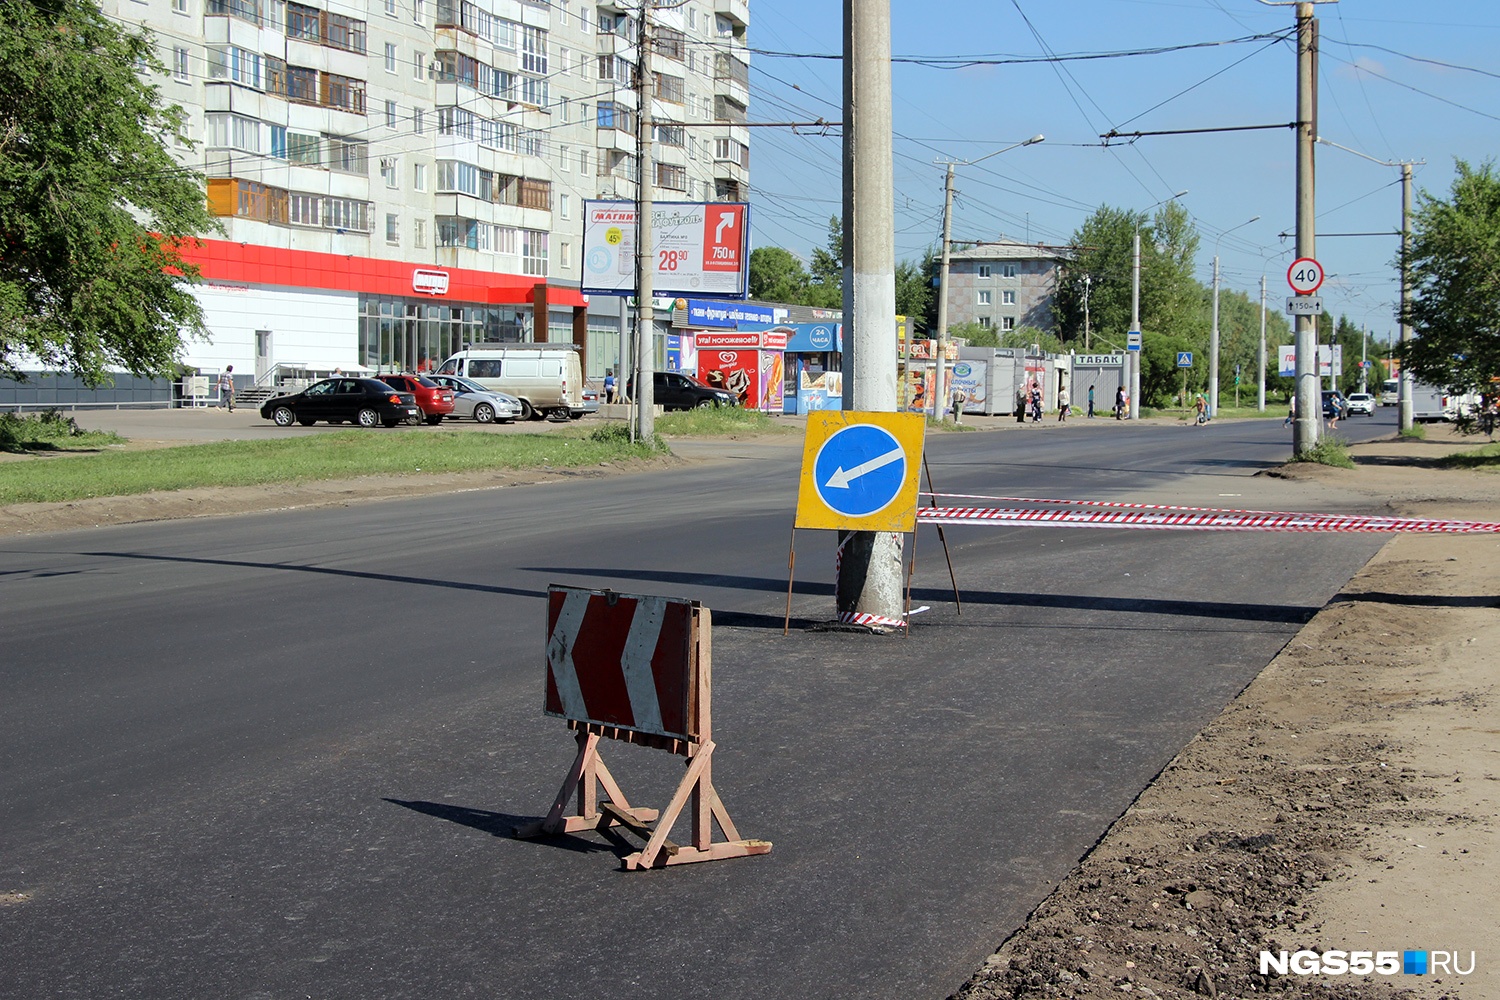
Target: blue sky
x=1398 y=81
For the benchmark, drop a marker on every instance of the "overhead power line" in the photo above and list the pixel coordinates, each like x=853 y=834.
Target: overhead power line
x=968 y=62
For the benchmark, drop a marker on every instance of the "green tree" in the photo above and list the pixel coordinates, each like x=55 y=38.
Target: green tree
x=91 y=203
x=1454 y=264
x=974 y=334
x=776 y=275
x=827 y=269
x=914 y=298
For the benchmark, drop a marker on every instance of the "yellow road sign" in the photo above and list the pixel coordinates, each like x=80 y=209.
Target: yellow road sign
x=859 y=470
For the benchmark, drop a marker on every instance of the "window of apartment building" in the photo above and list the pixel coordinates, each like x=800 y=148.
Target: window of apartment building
x=306 y=209
x=565 y=255
x=984 y=270
x=278 y=141
x=343 y=92
x=565 y=108
x=301 y=84
x=668 y=135
x=614 y=115
x=305 y=149
x=388 y=170
x=419 y=66
x=391 y=114
x=418 y=10
x=1007 y=322
x=727 y=67
x=534 y=252
x=390 y=57
x=1007 y=270
x=723 y=27
x=507 y=239
x=564 y=60
x=984 y=298
x=419 y=178
x=392 y=229
x=179 y=6
x=180 y=65
x=235 y=64
x=1008 y=298
x=505 y=34
x=276 y=14
x=349 y=156
x=670 y=88
x=671 y=177
x=728 y=110
x=732 y=151
x=533 y=49
x=986 y=322
x=224 y=131
x=457 y=177
x=454 y=231
x=343 y=32
x=613 y=69
x=390 y=7
x=583 y=161
x=304 y=22
x=347 y=214
x=275 y=76
x=418 y=121
x=564 y=159
x=564 y=206
x=671 y=43
x=534 y=91
x=247 y=199
x=536 y=194
x=419 y=233
x=245 y=10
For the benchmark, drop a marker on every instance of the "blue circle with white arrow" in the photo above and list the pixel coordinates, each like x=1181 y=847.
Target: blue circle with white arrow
x=859 y=470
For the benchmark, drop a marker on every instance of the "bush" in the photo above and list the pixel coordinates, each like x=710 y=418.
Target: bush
x=42 y=431
x=618 y=433
x=1331 y=450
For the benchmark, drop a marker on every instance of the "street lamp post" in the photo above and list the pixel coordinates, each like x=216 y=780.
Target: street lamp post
x=939 y=387
x=1133 y=358
x=1213 y=337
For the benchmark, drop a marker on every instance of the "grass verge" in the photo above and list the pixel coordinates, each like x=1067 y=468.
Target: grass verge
x=340 y=455
x=719 y=422
x=1330 y=450
x=1485 y=457
x=49 y=430
x=1416 y=432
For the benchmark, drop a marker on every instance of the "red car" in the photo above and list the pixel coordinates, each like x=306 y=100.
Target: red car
x=435 y=401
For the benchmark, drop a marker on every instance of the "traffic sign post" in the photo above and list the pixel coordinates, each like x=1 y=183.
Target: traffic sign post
x=1305 y=305
x=1133 y=340
x=1184 y=359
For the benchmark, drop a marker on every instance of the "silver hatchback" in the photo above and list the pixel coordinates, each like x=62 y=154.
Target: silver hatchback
x=473 y=401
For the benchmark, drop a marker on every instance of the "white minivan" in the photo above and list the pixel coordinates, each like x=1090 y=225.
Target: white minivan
x=546 y=378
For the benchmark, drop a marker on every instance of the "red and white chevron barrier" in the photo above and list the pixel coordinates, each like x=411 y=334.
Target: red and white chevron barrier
x=1195 y=519
x=617 y=660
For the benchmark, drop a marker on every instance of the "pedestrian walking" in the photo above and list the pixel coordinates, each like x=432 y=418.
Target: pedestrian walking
x=1091 y=402
x=1291 y=410
x=609 y=385
x=1063 y=404
x=226 y=387
x=1120 y=403
x=1334 y=412
x=1201 y=405
x=1021 y=398
x=1036 y=402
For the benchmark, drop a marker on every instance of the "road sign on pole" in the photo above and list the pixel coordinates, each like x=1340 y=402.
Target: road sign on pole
x=1133 y=340
x=1305 y=305
x=1184 y=359
x=859 y=471
x=1305 y=275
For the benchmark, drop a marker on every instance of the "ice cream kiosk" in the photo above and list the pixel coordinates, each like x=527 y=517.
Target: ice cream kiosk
x=748 y=363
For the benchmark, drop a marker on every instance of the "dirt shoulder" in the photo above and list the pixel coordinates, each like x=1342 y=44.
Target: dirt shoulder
x=1346 y=800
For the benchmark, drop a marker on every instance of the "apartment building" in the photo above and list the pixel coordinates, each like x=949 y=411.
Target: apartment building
x=397 y=178
x=1004 y=285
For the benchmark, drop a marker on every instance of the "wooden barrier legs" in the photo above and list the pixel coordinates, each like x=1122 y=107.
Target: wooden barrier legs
x=589 y=772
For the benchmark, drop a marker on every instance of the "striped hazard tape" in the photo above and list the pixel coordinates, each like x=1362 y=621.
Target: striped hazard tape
x=1164 y=517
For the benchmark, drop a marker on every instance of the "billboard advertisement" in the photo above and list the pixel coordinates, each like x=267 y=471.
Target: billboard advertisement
x=697 y=248
x=753 y=375
x=969 y=378
x=1330 y=360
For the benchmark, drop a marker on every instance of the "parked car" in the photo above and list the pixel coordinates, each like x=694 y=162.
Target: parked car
x=436 y=401
x=590 y=403
x=472 y=400
x=365 y=401
x=680 y=391
x=1333 y=403
x=1361 y=402
x=546 y=378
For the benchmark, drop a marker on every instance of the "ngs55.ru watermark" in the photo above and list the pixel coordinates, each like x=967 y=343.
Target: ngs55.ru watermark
x=1334 y=962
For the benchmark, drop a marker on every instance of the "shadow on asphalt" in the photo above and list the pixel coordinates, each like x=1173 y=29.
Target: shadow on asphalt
x=498 y=824
x=1423 y=600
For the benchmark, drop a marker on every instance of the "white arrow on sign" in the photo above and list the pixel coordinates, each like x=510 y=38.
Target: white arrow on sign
x=840 y=479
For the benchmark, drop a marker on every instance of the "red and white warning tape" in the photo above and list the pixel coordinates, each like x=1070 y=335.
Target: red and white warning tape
x=857 y=617
x=1194 y=519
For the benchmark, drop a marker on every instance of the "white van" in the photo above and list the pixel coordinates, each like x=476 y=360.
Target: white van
x=546 y=378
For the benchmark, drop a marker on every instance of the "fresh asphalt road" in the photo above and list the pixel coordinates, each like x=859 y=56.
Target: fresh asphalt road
x=280 y=755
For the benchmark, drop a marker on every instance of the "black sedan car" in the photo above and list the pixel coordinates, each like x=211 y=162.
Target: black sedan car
x=364 y=401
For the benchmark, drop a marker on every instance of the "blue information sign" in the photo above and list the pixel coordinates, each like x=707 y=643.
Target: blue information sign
x=860 y=470
x=1184 y=359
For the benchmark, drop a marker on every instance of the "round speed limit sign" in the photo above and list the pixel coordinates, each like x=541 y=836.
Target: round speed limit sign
x=1305 y=275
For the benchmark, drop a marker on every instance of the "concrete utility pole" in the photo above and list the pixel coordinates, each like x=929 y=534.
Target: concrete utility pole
x=1088 y=286
x=869 y=569
x=645 y=260
x=1406 y=380
x=940 y=375
x=1309 y=420
x=939 y=385
x=1260 y=367
x=1133 y=358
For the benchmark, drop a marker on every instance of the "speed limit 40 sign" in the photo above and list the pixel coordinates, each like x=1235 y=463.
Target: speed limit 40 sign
x=1305 y=275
